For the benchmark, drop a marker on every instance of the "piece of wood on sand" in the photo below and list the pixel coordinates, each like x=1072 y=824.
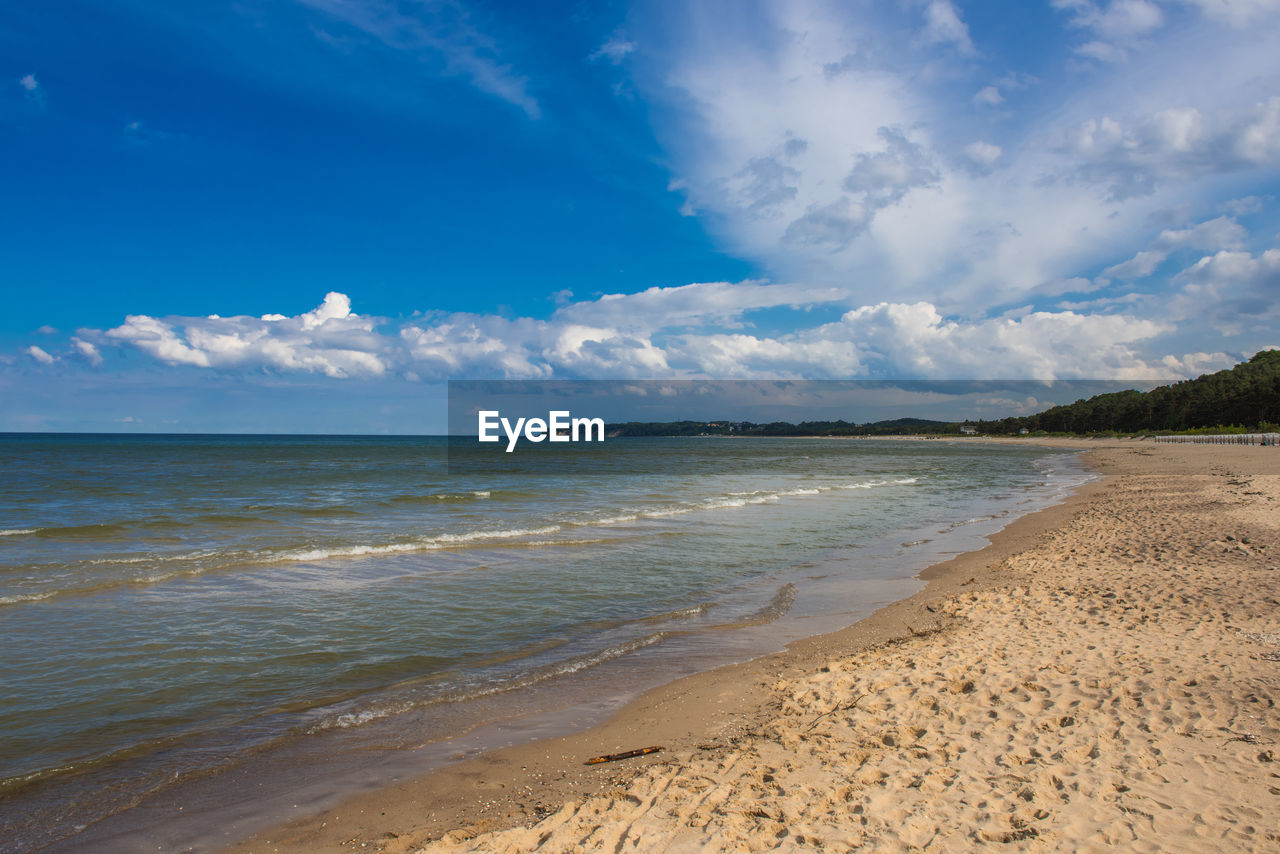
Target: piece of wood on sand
x=626 y=754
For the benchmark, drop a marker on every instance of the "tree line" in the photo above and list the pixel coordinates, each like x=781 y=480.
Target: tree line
x=1245 y=397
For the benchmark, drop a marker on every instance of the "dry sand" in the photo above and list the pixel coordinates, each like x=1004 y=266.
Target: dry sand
x=1104 y=675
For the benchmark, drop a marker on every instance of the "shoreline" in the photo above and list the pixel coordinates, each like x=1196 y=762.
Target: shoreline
x=515 y=786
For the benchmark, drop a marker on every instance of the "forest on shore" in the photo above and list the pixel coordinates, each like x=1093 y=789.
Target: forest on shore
x=1243 y=398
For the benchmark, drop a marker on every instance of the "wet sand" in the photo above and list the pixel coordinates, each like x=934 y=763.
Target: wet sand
x=1104 y=674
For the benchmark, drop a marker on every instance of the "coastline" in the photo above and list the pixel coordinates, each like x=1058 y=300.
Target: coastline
x=696 y=715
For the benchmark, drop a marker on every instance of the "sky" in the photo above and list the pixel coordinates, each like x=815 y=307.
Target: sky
x=306 y=215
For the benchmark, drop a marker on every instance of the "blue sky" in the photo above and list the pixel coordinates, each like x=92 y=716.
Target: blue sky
x=304 y=215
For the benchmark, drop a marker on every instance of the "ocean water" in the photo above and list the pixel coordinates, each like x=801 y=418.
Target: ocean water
x=177 y=608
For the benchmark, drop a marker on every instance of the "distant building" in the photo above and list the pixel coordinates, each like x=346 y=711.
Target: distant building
x=1022 y=431
x=967 y=430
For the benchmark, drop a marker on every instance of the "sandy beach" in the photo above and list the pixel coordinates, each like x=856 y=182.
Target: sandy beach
x=1103 y=675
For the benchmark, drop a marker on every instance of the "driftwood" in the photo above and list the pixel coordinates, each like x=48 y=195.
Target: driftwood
x=626 y=754
x=838 y=708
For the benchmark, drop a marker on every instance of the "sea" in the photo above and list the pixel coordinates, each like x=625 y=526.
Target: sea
x=207 y=635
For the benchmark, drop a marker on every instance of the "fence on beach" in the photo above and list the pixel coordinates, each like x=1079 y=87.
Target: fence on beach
x=1272 y=439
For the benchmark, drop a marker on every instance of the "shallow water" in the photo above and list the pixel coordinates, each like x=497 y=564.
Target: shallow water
x=172 y=606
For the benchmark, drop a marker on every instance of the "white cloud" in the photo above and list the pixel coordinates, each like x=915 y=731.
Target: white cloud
x=39 y=355
x=701 y=304
x=1220 y=233
x=1073 y=285
x=1237 y=13
x=328 y=340
x=989 y=96
x=437 y=31
x=1232 y=291
x=1115 y=26
x=32 y=90
x=614 y=50
x=1119 y=19
x=983 y=154
x=1195 y=364
x=1138 y=267
x=915 y=340
x=1132 y=157
x=943 y=25
x=1102 y=51
x=992 y=96
x=1074 y=189
x=1246 y=205
x=691 y=331
x=138 y=134
x=87 y=351
x=853 y=160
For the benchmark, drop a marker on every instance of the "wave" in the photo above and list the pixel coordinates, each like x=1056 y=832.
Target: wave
x=79 y=532
x=777 y=607
x=678 y=614
x=173 y=566
x=732 y=500
x=20 y=598
x=973 y=520
x=497 y=685
x=438 y=497
x=16 y=532
x=442 y=541
x=488 y=686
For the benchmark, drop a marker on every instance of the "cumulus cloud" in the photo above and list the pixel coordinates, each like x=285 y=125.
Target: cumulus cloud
x=1132 y=156
x=1114 y=26
x=329 y=340
x=1220 y=233
x=32 y=91
x=700 y=304
x=1118 y=19
x=842 y=155
x=983 y=154
x=943 y=25
x=989 y=96
x=695 y=330
x=1232 y=290
x=1102 y=51
x=887 y=339
x=915 y=340
x=993 y=95
x=87 y=351
x=1195 y=364
x=887 y=192
x=39 y=354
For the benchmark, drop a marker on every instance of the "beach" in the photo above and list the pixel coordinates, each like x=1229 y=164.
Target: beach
x=298 y=620
x=1103 y=674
